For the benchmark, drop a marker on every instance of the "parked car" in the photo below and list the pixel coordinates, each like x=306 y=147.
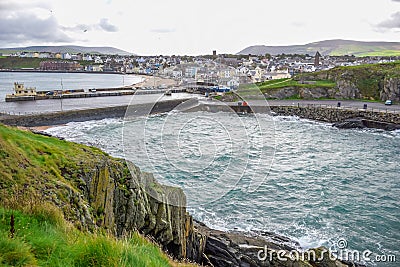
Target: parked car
x=388 y=102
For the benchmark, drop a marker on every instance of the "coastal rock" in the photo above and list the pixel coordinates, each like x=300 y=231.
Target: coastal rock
x=391 y=89
x=315 y=93
x=350 y=124
x=380 y=120
x=346 y=89
x=359 y=123
x=237 y=249
x=283 y=93
x=125 y=201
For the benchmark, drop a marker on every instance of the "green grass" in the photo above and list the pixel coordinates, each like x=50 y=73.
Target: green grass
x=35 y=173
x=383 y=53
x=272 y=85
x=39 y=241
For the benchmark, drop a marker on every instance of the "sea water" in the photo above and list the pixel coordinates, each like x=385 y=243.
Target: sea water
x=44 y=81
x=302 y=179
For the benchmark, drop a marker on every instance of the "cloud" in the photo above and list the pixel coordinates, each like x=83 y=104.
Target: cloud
x=162 y=30
x=392 y=23
x=103 y=25
x=29 y=22
x=396 y=1
x=106 y=26
x=23 y=26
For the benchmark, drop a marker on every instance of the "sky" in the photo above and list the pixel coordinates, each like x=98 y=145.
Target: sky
x=171 y=27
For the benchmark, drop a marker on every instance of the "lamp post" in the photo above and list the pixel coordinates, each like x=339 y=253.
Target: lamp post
x=62 y=89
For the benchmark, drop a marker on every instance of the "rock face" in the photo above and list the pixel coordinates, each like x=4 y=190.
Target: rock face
x=346 y=89
x=283 y=93
x=391 y=89
x=123 y=202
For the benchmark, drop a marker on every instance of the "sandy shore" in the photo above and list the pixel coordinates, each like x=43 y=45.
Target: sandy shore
x=150 y=81
x=42 y=128
x=37 y=128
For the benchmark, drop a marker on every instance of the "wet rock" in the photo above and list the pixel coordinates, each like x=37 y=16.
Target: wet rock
x=359 y=123
x=350 y=124
x=239 y=249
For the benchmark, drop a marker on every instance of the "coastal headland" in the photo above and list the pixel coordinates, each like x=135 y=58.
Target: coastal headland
x=92 y=192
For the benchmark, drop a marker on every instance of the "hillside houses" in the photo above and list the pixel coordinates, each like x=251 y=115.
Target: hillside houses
x=227 y=70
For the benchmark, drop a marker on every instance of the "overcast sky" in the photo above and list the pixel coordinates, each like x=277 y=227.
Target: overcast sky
x=150 y=27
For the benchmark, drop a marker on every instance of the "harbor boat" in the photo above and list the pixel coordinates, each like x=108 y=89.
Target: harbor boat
x=21 y=93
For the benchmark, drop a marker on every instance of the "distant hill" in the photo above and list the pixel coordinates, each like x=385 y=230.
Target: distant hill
x=68 y=49
x=330 y=47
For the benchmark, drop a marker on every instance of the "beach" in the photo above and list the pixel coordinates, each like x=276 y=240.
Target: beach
x=154 y=81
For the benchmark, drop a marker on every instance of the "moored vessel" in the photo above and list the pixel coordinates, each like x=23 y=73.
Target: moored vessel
x=21 y=93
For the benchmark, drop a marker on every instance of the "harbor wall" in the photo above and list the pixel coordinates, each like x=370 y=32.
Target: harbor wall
x=372 y=119
x=57 y=118
x=341 y=117
x=333 y=115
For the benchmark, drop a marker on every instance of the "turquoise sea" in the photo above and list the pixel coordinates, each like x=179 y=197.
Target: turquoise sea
x=306 y=180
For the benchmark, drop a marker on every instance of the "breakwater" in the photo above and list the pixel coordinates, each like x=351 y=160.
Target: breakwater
x=366 y=118
x=331 y=115
x=363 y=118
x=360 y=118
x=56 y=118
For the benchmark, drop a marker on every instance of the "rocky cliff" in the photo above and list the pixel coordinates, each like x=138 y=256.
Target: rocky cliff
x=373 y=82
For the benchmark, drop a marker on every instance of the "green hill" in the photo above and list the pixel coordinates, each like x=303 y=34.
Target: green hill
x=46 y=216
x=330 y=47
x=68 y=49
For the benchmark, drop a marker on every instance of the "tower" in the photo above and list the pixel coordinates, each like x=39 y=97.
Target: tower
x=317 y=59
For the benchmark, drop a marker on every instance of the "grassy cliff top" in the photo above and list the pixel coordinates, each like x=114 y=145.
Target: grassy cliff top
x=36 y=175
x=389 y=70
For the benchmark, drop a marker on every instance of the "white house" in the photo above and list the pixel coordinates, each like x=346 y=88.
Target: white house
x=66 y=56
x=278 y=74
x=233 y=83
x=98 y=60
x=87 y=58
